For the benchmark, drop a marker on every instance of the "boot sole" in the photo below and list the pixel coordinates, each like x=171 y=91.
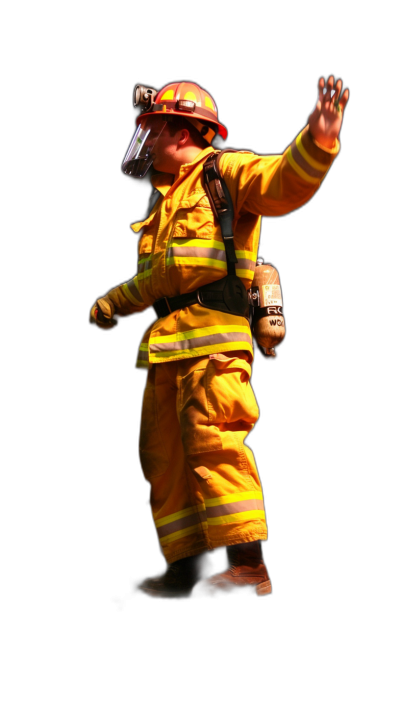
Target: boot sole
x=160 y=594
x=258 y=590
x=264 y=588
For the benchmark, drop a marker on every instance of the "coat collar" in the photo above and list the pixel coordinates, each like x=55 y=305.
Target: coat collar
x=164 y=182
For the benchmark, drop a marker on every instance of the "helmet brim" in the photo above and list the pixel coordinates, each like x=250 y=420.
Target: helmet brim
x=221 y=129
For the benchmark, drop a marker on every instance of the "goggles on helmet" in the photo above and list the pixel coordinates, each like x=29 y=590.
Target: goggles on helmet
x=139 y=156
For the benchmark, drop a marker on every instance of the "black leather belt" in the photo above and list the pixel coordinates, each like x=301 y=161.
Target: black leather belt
x=226 y=295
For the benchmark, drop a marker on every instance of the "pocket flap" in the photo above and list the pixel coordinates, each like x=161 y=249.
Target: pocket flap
x=196 y=198
x=195 y=219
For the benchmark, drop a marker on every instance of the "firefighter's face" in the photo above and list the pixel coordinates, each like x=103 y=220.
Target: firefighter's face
x=166 y=148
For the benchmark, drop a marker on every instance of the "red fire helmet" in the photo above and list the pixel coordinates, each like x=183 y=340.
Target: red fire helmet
x=185 y=99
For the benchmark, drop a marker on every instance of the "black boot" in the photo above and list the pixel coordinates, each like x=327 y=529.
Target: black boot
x=178 y=581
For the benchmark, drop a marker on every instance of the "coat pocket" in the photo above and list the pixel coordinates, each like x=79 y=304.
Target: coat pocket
x=195 y=219
x=146 y=241
x=195 y=245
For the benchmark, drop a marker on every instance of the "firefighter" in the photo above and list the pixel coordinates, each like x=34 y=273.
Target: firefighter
x=198 y=405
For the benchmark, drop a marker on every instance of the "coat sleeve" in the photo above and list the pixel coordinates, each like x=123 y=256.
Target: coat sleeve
x=126 y=298
x=275 y=185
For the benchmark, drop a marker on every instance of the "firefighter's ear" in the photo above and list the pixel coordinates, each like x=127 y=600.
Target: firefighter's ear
x=183 y=137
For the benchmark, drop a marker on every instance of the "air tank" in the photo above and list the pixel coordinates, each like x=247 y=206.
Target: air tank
x=268 y=320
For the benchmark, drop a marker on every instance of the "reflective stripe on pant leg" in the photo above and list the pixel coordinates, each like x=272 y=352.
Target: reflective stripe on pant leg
x=217 y=410
x=177 y=506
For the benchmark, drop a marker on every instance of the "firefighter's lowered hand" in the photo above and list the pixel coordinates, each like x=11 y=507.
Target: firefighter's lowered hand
x=102 y=313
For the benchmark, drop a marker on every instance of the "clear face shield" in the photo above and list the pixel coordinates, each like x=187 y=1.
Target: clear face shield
x=139 y=156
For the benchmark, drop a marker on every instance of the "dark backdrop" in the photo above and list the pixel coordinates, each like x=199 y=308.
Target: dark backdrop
x=297 y=441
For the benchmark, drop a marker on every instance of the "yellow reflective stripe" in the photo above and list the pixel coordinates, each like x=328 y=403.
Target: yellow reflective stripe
x=244 y=273
x=143 y=351
x=298 y=170
x=184 y=532
x=315 y=164
x=129 y=295
x=246 y=254
x=199 y=351
x=236 y=517
x=145 y=274
x=233 y=497
x=142 y=363
x=192 y=260
x=143 y=359
x=200 y=332
x=179 y=514
x=147 y=256
x=197 y=243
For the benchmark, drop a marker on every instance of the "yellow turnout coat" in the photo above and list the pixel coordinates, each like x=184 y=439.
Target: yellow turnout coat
x=181 y=247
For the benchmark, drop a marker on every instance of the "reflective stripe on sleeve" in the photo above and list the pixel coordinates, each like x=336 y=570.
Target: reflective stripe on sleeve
x=305 y=165
x=143 y=355
x=144 y=266
x=131 y=291
x=310 y=161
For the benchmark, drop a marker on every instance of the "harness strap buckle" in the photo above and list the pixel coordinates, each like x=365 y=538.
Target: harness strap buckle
x=168 y=305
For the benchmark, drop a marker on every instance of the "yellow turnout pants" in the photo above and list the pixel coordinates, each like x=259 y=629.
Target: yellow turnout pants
x=205 y=489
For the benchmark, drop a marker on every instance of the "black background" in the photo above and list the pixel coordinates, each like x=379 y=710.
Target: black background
x=264 y=101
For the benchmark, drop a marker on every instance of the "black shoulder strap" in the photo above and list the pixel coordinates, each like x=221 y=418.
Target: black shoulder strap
x=221 y=204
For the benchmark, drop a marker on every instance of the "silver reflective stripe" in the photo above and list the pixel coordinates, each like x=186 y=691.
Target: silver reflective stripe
x=144 y=265
x=201 y=341
x=236 y=507
x=134 y=291
x=213 y=253
x=245 y=264
x=143 y=356
x=181 y=523
x=304 y=164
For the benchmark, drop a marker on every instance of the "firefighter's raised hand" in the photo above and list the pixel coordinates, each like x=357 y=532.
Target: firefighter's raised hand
x=326 y=119
x=102 y=313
